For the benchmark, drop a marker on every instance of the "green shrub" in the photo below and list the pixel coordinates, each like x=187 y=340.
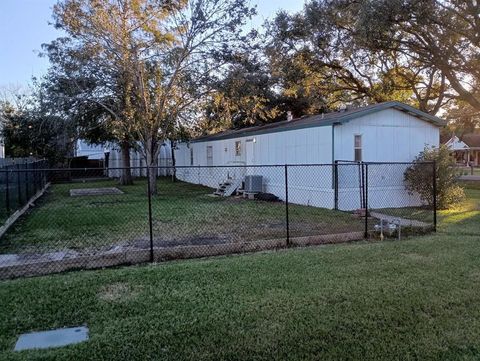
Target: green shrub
x=419 y=177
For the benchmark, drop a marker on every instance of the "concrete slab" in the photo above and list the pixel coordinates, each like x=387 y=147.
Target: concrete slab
x=32 y=258
x=55 y=338
x=404 y=222
x=94 y=191
x=470 y=177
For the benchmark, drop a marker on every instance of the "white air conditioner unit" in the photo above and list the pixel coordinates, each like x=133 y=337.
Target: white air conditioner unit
x=253 y=183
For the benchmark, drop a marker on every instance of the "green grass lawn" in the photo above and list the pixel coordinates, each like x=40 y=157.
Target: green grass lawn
x=183 y=213
x=416 y=299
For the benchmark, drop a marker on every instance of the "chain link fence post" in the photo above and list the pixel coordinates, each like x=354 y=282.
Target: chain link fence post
x=27 y=192
x=150 y=221
x=365 y=185
x=34 y=176
x=19 y=189
x=434 y=195
x=335 y=184
x=286 y=206
x=7 y=192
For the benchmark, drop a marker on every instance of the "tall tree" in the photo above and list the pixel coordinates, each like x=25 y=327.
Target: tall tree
x=30 y=129
x=80 y=87
x=164 y=53
x=242 y=95
x=325 y=45
x=462 y=119
x=441 y=35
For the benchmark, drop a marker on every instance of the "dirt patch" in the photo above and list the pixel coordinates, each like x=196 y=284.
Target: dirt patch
x=79 y=192
x=417 y=257
x=180 y=241
x=118 y=292
x=475 y=275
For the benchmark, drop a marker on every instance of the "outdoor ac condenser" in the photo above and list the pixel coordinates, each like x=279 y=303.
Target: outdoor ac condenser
x=253 y=183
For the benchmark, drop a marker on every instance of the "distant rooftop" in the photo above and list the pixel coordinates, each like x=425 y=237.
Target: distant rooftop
x=319 y=120
x=471 y=140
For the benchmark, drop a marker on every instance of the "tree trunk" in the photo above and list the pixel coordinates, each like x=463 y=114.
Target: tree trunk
x=126 y=172
x=174 y=171
x=151 y=152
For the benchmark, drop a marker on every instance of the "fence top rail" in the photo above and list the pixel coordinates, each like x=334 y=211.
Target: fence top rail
x=109 y=169
x=399 y=163
x=352 y=162
x=13 y=161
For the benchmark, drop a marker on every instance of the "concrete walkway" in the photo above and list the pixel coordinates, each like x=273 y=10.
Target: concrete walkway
x=36 y=264
x=404 y=222
x=470 y=177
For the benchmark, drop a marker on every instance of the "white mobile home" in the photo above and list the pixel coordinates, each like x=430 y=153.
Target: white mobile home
x=91 y=151
x=112 y=155
x=137 y=161
x=385 y=132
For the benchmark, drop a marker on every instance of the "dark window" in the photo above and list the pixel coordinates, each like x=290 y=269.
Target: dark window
x=238 y=148
x=358 y=148
x=209 y=155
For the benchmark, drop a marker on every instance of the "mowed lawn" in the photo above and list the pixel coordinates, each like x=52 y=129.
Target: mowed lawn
x=416 y=299
x=183 y=213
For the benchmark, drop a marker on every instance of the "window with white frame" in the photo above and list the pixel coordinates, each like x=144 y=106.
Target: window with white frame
x=238 y=148
x=209 y=155
x=191 y=156
x=357 y=146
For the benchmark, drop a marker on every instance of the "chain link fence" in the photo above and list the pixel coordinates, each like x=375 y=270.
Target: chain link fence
x=20 y=182
x=86 y=219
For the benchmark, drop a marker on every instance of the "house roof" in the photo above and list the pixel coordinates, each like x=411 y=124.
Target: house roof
x=319 y=120
x=454 y=143
x=467 y=141
x=472 y=140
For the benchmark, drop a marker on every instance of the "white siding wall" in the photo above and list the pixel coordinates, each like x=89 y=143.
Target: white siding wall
x=307 y=185
x=387 y=136
x=138 y=163
x=302 y=146
x=92 y=151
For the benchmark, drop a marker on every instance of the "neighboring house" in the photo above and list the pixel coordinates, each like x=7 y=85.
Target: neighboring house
x=111 y=154
x=91 y=151
x=385 y=132
x=137 y=161
x=466 y=149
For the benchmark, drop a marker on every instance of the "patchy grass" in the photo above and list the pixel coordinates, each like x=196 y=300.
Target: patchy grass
x=183 y=213
x=411 y=300
x=424 y=214
x=118 y=292
x=463 y=220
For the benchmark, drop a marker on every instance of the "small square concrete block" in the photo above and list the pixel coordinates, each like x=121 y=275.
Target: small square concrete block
x=250 y=195
x=55 y=338
x=94 y=191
